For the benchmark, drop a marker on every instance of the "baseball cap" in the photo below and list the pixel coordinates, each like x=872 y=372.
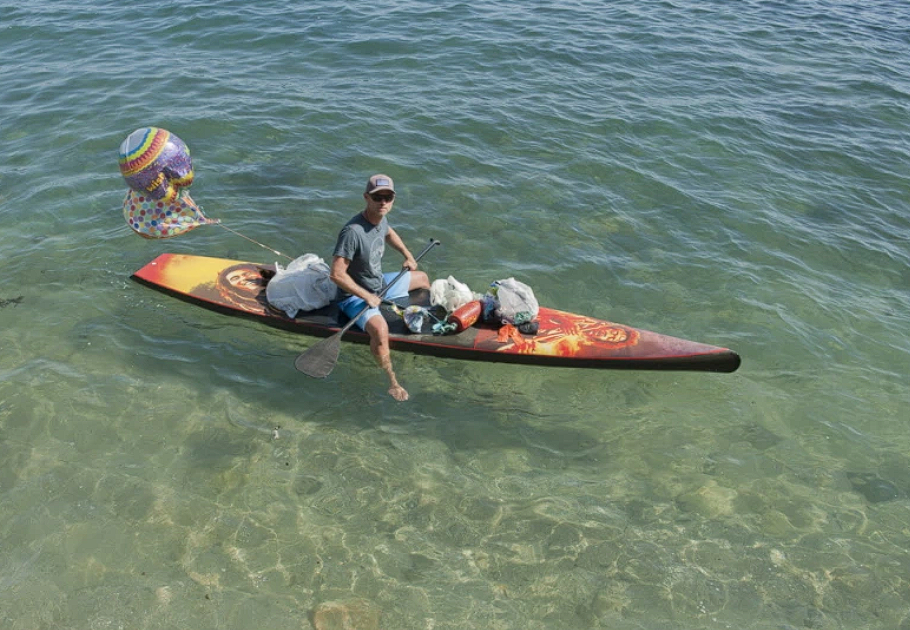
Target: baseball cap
x=379 y=182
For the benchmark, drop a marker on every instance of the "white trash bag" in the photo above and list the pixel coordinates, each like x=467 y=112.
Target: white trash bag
x=304 y=286
x=450 y=294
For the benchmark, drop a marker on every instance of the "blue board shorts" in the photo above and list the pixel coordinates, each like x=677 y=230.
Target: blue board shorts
x=351 y=305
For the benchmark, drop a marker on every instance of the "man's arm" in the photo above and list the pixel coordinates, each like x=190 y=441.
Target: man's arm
x=343 y=279
x=397 y=244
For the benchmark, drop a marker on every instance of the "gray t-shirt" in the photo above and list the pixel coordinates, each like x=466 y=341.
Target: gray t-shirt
x=363 y=244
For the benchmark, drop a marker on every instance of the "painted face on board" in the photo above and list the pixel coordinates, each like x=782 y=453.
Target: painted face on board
x=245 y=279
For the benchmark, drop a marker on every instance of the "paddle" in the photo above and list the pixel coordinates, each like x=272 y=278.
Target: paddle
x=319 y=360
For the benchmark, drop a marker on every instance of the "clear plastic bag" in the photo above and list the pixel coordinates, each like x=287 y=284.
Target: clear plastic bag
x=512 y=302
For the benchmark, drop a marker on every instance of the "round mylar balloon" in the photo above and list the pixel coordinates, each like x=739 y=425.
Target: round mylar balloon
x=156 y=218
x=156 y=163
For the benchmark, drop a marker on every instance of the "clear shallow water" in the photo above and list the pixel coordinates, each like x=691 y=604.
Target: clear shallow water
x=731 y=173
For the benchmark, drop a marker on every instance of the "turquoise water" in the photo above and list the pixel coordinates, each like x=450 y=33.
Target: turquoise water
x=730 y=172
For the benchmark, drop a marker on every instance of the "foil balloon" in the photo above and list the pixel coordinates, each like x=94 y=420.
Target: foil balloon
x=156 y=163
x=157 y=218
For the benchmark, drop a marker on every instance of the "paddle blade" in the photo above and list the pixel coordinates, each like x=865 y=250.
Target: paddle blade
x=319 y=360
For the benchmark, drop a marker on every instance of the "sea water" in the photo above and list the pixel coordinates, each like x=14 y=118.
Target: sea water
x=729 y=172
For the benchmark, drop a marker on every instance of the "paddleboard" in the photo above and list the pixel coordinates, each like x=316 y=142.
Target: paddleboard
x=563 y=339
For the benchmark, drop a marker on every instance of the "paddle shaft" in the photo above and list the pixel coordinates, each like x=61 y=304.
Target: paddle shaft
x=319 y=360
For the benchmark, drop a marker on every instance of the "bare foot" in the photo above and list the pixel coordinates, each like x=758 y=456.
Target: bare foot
x=398 y=393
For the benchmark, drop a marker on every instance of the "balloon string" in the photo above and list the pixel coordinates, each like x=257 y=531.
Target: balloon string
x=188 y=199
x=274 y=251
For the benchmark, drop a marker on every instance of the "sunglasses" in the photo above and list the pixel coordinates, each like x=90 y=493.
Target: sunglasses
x=382 y=197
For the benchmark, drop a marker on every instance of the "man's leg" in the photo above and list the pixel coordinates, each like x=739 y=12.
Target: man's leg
x=378 y=330
x=408 y=282
x=375 y=325
x=419 y=280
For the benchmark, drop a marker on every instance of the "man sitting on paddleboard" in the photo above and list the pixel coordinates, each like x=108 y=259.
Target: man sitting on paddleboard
x=357 y=270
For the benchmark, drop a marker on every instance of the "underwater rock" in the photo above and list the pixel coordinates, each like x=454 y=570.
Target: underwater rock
x=757 y=436
x=874 y=488
x=711 y=500
x=356 y=614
